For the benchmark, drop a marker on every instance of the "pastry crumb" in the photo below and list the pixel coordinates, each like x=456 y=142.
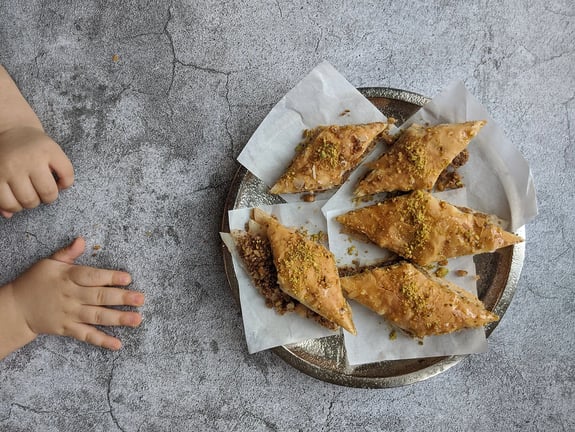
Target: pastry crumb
x=309 y=197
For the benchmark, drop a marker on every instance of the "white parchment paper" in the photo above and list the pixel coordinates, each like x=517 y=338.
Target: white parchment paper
x=323 y=97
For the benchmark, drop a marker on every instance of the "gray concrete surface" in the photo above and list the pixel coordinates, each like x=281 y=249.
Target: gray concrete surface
x=154 y=136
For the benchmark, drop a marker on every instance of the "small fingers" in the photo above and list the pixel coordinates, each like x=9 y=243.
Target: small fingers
x=106 y=296
x=8 y=201
x=93 y=277
x=87 y=333
x=25 y=193
x=63 y=169
x=103 y=316
x=70 y=253
x=45 y=185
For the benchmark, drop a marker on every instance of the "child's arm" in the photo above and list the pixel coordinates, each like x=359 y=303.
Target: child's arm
x=32 y=166
x=57 y=297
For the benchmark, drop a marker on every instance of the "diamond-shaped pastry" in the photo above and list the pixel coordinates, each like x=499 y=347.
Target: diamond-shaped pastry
x=417 y=157
x=424 y=229
x=327 y=155
x=415 y=301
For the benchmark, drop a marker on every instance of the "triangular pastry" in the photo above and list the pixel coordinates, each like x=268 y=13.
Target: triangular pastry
x=423 y=229
x=419 y=303
x=417 y=157
x=327 y=155
x=307 y=271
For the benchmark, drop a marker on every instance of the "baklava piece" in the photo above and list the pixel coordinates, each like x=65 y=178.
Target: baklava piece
x=256 y=254
x=306 y=271
x=327 y=155
x=423 y=229
x=415 y=301
x=417 y=157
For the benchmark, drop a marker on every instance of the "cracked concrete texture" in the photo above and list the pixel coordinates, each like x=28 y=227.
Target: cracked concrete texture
x=154 y=136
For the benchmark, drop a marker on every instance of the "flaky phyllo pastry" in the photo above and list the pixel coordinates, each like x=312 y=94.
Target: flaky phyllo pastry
x=415 y=301
x=304 y=270
x=417 y=157
x=327 y=155
x=423 y=229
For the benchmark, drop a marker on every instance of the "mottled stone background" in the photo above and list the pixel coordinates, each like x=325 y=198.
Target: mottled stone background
x=154 y=136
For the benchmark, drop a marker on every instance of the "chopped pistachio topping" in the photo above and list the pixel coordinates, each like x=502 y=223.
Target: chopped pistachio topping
x=328 y=152
x=441 y=272
x=318 y=237
x=298 y=257
x=412 y=295
x=416 y=212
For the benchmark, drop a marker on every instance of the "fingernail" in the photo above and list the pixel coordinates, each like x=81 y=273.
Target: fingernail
x=137 y=299
x=135 y=320
x=114 y=345
x=125 y=279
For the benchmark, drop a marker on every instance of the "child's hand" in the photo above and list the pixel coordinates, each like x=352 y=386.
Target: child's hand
x=57 y=297
x=33 y=168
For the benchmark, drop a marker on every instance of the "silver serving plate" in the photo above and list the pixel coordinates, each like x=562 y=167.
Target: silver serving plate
x=326 y=358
